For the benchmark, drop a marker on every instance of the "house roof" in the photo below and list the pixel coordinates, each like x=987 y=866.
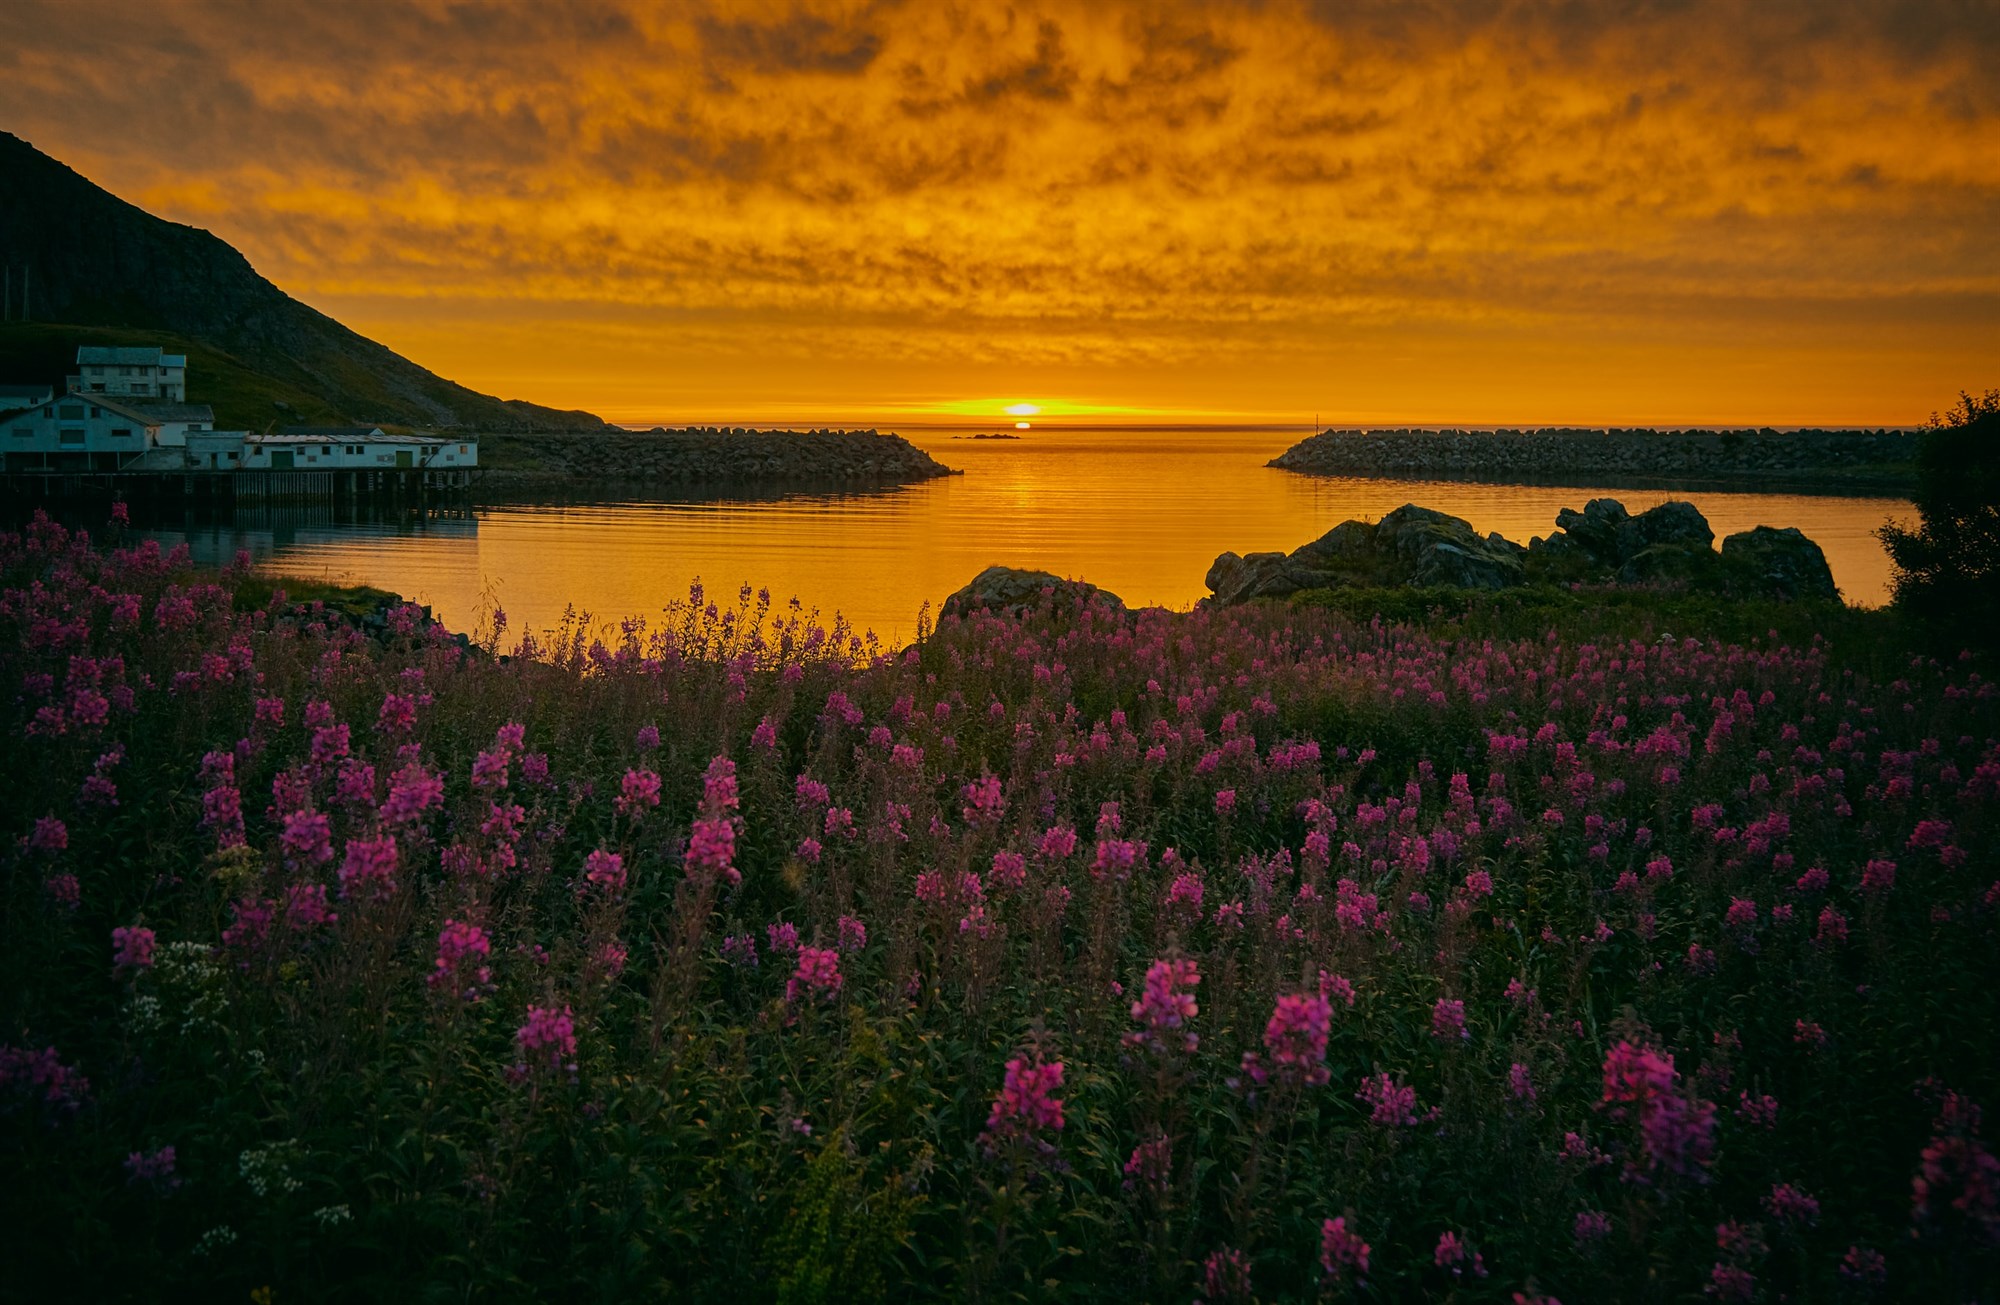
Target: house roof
x=361 y=435
x=126 y=355
x=335 y=432
x=123 y=407
x=161 y=411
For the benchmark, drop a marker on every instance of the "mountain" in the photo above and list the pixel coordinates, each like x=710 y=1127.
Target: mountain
x=94 y=261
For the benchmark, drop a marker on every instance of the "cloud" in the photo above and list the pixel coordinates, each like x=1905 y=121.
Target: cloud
x=1042 y=185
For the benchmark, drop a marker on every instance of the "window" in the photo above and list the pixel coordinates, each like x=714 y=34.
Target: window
x=461 y=448
x=72 y=412
x=326 y=449
x=121 y=432
x=97 y=387
x=71 y=439
x=24 y=432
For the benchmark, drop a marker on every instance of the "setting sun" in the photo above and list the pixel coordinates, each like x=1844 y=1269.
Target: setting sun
x=1023 y=409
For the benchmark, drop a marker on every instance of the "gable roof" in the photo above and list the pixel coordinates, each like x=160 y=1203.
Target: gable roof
x=335 y=432
x=126 y=355
x=162 y=410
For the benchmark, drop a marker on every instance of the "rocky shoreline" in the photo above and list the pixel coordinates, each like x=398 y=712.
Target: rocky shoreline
x=532 y=464
x=1836 y=462
x=1670 y=545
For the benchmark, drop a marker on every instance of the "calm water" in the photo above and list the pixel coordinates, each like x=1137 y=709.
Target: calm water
x=1141 y=513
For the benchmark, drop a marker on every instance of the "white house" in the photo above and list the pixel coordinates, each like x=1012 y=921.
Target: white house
x=94 y=432
x=352 y=448
x=14 y=398
x=130 y=371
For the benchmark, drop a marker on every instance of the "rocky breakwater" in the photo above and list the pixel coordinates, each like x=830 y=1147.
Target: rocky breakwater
x=661 y=458
x=1857 y=461
x=1602 y=544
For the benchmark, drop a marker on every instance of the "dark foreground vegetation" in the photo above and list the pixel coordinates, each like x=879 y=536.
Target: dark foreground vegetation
x=1598 y=944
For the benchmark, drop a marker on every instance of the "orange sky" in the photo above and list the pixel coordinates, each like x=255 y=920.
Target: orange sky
x=1377 y=210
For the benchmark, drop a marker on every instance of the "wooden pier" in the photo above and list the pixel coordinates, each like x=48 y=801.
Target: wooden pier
x=223 y=490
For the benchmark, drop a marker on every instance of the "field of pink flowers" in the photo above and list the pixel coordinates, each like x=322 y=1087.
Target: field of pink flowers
x=1263 y=954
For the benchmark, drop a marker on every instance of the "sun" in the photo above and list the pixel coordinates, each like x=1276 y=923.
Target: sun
x=1023 y=409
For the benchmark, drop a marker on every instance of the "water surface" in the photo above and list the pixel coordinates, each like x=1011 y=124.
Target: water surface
x=1139 y=512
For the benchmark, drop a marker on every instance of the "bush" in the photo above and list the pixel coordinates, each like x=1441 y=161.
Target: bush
x=1947 y=570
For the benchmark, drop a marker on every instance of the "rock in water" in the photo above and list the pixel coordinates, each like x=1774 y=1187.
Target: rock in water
x=1010 y=589
x=1784 y=561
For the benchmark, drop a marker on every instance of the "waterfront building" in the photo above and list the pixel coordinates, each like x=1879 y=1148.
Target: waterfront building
x=348 y=448
x=95 y=432
x=130 y=371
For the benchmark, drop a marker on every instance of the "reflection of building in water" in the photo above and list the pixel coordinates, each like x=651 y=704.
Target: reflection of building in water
x=267 y=532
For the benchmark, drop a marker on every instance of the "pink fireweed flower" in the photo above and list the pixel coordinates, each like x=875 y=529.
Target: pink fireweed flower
x=1591 y=1226
x=460 y=966
x=1296 y=1037
x=398 y=714
x=1448 y=1020
x=1026 y=1104
x=648 y=738
x=1341 y=1251
x=840 y=821
x=711 y=852
x=535 y=768
x=1010 y=870
x=1225 y=1279
x=809 y=851
x=1452 y=1253
x=547 y=1040
x=1878 y=877
x=1057 y=843
x=638 y=792
x=154 y=1170
x=1520 y=1082
x=1864 y=1266
x=1332 y=986
x=718 y=787
x=48 y=835
x=1676 y=1128
x=984 y=803
x=740 y=950
x=1165 y=1004
x=511 y=737
x=63 y=890
x=1391 y=1102
x=852 y=933
x=604 y=871
x=307 y=837
x=307 y=907
x=782 y=938
x=489 y=770
x=1116 y=858
x=1958 y=1178
x=1789 y=1205
x=412 y=792
x=817 y=975
x=1225 y=801
x=1150 y=1168
x=1760 y=1111
x=765 y=736
x=369 y=869
x=131 y=948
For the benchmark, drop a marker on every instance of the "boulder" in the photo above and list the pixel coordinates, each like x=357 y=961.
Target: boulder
x=1784 y=562
x=1237 y=579
x=1596 y=527
x=1674 y=523
x=1010 y=589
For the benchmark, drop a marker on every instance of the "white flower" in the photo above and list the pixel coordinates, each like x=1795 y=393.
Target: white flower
x=332 y=1216
x=215 y=1239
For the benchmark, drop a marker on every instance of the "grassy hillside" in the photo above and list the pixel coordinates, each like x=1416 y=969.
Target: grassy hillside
x=243 y=397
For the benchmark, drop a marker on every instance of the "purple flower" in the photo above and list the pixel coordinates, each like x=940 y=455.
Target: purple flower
x=548 y=1039
x=817 y=975
x=131 y=948
x=1341 y=1251
x=369 y=869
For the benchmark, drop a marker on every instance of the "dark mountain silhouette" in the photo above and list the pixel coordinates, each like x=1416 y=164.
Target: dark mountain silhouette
x=91 y=260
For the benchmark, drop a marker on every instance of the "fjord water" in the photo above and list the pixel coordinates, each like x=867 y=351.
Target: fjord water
x=1139 y=512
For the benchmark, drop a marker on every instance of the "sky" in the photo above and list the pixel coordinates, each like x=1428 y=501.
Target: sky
x=1368 y=211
